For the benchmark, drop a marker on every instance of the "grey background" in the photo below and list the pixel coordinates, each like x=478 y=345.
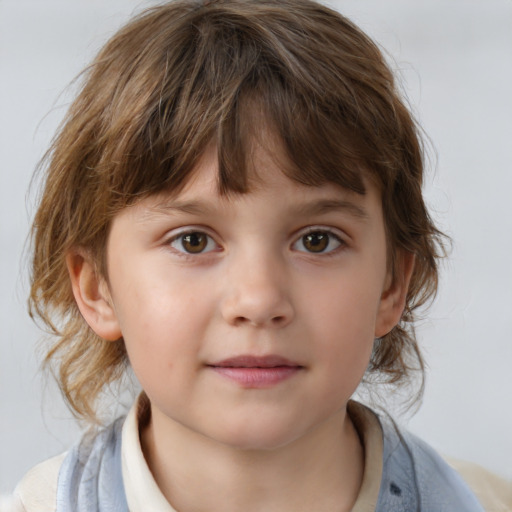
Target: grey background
x=455 y=62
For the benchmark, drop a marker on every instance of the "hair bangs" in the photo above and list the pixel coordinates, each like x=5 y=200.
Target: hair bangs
x=236 y=94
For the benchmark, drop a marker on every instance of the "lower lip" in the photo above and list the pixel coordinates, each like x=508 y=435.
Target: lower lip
x=257 y=377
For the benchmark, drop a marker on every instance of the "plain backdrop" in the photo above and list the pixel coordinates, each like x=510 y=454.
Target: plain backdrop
x=454 y=59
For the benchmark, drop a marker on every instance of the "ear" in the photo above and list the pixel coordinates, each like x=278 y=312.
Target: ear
x=92 y=295
x=393 y=298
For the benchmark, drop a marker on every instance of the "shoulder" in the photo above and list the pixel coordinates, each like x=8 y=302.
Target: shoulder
x=74 y=479
x=438 y=483
x=90 y=474
x=494 y=492
x=415 y=477
x=37 y=491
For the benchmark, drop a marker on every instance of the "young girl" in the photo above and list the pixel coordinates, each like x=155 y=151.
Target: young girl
x=233 y=208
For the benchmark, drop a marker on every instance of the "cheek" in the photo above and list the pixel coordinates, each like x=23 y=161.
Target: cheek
x=345 y=356
x=347 y=305
x=342 y=323
x=159 y=325
x=154 y=298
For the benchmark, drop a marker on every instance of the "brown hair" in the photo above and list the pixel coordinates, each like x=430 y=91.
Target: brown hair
x=188 y=73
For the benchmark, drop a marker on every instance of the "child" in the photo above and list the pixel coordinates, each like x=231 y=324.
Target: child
x=233 y=208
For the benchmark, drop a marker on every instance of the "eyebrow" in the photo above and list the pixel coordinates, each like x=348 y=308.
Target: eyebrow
x=324 y=206
x=169 y=207
x=190 y=207
x=320 y=207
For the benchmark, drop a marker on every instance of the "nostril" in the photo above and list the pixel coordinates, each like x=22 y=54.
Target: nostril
x=275 y=321
x=240 y=320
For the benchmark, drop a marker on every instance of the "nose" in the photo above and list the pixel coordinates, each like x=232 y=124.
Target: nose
x=258 y=293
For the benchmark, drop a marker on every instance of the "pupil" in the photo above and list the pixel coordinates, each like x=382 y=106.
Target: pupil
x=194 y=242
x=316 y=242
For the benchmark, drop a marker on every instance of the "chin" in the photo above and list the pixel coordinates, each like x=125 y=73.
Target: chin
x=256 y=435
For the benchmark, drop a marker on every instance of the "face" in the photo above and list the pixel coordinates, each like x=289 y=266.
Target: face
x=250 y=319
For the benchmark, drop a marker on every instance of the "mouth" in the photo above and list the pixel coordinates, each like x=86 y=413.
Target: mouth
x=256 y=371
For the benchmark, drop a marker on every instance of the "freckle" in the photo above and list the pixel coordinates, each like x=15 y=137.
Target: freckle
x=395 y=490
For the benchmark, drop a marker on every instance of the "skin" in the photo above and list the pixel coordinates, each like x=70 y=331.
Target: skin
x=257 y=287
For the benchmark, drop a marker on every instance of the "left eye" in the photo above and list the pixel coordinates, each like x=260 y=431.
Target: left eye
x=317 y=242
x=194 y=242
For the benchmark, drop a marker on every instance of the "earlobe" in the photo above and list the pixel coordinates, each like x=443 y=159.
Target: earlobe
x=394 y=296
x=92 y=296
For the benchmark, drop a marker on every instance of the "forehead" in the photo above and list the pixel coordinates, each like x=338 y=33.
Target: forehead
x=271 y=180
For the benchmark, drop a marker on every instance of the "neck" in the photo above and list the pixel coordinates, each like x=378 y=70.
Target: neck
x=321 y=471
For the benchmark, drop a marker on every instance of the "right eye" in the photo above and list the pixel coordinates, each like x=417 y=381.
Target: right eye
x=193 y=242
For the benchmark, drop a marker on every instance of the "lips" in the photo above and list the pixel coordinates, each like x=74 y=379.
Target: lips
x=248 y=361
x=256 y=371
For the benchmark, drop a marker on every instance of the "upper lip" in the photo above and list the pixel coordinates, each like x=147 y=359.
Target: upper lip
x=250 y=361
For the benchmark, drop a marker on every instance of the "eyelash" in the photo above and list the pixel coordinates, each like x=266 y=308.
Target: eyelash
x=209 y=242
